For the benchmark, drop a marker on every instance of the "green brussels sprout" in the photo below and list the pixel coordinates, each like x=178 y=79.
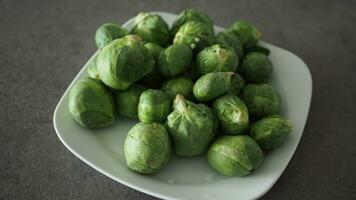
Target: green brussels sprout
x=92 y=67
x=212 y=85
x=107 y=33
x=261 y=100
x=190 y=126
x=147 y=147
x=124 y=61
x=91 y=104
x=152 y=28
x=246 y=32
x=256 y=68
x=271 y=131
x=232 y=114
x=228 y=38
x=175 y=59
x=237 y=155
x=154 y=49
x=127 y=101
x=179 y=85
x=154 y=106
x=217 y=58
x=195 y=34
x=190 y=15
x=259 y=49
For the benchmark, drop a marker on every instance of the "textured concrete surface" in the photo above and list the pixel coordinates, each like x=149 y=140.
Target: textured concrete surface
x=43 y=44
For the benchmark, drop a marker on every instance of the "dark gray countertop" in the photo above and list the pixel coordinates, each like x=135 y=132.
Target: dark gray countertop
x=43 y=45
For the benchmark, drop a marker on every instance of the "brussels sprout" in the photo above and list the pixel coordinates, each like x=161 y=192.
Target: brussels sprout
x=127 y=101
x=154 y=106
x=152 y=28
x=261 y=100
x=256 y=68
x=175 y=59
x=236 y=155
x=92 y=67
x=246 y=32
x=228 y=38
x=154 y=49
x=124 y=61
x=232 y=114
x=215 y=84
x=190 y=15
x=147 y=147
x=195 y=34
x=271 y=131
x=179 y=85
x=257 y=48
x=91 y=104
x=191 y=127
x=107 y=33
x=217 y=58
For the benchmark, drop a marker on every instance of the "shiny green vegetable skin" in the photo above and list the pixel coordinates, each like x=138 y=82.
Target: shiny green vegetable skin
x=271 y=131
x=228 y=38
x=124 y=61
x=152 y=28
x=179 y=85
x=261 y=100
x=191 y=127
x=147 y=147
x=217 y=58
x=154 y=49
x=127 y=101
x=175 y=59
x=190 y=15
x=195 y=34
x=259 y=49
x=256 y=68
x=154 y=106
x=107 y=33
x=232 y=114
x=93 y=68
x=212 y=85
x=248 y=34
x=91 y=104
x=235 y=155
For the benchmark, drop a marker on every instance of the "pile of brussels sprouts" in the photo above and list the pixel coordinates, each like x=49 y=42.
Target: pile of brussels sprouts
x=192 y=91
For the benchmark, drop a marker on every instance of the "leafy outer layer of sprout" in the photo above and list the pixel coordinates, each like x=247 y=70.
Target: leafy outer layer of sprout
x=154 y=106
x=190 y=126
x=217 y=58
x=178 y=85
x=91 y=104
x=154 y=49
x=124 y=61
x=152 y=28
x=107 y=33
x=92 y=68
x=190 y=15
x=175 y=59
x=256 y=68
x=261 y=100
x=212 y=85
x=248 y=34
x=228 y=38
x=147 y=147
x=232 y=114
x=195 y=34
x=259 y=49
x=127 y=101
x=235 y=155
x=271 y=131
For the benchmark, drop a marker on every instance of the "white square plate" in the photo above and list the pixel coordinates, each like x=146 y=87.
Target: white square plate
x=192 y=178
